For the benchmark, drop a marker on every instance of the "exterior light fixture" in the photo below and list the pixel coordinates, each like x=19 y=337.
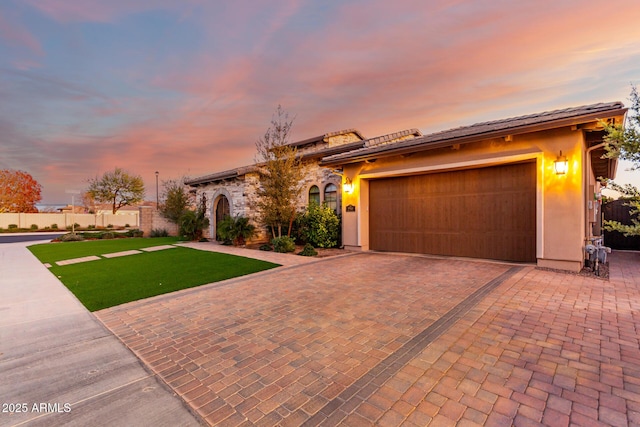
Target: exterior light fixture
x=561 y=165
x=348 y=185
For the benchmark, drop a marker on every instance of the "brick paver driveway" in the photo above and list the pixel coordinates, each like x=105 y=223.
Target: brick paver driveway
x=396 y=340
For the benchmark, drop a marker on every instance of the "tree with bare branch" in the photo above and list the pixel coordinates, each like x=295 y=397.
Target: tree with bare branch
x=280 y=172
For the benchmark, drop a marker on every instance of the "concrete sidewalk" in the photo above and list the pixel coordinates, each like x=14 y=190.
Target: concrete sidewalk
x=59 y=365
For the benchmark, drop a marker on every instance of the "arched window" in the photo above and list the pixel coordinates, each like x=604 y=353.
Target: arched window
x=331 y=196
x=314 y=194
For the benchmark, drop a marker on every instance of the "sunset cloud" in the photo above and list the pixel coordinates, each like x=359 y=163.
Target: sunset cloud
x=187 y=87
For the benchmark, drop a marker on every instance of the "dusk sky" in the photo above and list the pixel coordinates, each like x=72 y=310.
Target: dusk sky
x=185 y=87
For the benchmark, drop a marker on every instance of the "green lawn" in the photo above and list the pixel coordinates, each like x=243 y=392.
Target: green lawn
x=108 y=282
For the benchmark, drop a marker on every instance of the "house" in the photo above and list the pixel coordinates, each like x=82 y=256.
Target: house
x=233 y=192
x=71 y=209
x=521 y=189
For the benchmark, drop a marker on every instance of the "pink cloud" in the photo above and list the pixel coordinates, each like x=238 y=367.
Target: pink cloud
x=372 y=66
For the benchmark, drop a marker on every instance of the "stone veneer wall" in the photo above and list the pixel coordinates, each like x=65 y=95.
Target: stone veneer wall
x=242 y=193
x=330 y=141
x=320 y=176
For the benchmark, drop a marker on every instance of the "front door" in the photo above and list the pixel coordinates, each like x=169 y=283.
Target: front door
x=222 y=211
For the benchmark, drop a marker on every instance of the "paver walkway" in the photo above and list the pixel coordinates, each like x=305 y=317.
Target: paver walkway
x=280 y=346
x=269 y=256
x=308 y=345
x=548 y=349
x=111 y=255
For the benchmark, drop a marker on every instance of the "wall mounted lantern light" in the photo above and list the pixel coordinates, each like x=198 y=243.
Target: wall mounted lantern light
x=348 y=185
x=561 y=165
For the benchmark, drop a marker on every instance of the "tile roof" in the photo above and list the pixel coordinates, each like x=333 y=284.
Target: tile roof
x=220 y=176
x=317 y=154
x=490 y=129
x=378 y=140
x=233 y=173
x=401 y=142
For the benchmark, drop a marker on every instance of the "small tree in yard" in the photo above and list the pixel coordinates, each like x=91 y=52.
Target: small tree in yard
x=280 y=173
x=176 y=199
x=119 y=188
x=624 y=143
x=19 y=192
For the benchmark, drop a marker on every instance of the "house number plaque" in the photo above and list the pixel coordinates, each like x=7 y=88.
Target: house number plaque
x=351 y=208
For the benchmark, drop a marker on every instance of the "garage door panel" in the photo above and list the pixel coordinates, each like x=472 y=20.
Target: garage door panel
x=485 y=213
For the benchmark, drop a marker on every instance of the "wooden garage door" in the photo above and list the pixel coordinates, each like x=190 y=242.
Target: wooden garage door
x=482 y=213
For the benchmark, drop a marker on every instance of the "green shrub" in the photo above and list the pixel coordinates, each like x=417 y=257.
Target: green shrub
x=224 y=230
x=319 y=226
x=127 y=226
x=34 y=226
x=283 y=244
x=235 y=230
x=308 y=250
x=192 y=223
x=107 y=235
x=266 y=247
x=13 y=226
x=54 y=226
x=134 y=233
x=159 y=232
x=70 y=237
x=110 y=226
x=91 y=227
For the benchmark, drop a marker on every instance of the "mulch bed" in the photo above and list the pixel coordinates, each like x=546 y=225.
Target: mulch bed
x=322 y=252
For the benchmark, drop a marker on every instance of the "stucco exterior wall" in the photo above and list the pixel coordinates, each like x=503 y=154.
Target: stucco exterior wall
x=560 y=213
x=63 y=220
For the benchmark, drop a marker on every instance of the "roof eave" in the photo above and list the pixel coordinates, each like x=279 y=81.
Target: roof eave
x=212 y=178
x=395 y=151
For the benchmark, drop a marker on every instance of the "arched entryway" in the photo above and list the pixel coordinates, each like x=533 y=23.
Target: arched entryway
x=222 y=210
